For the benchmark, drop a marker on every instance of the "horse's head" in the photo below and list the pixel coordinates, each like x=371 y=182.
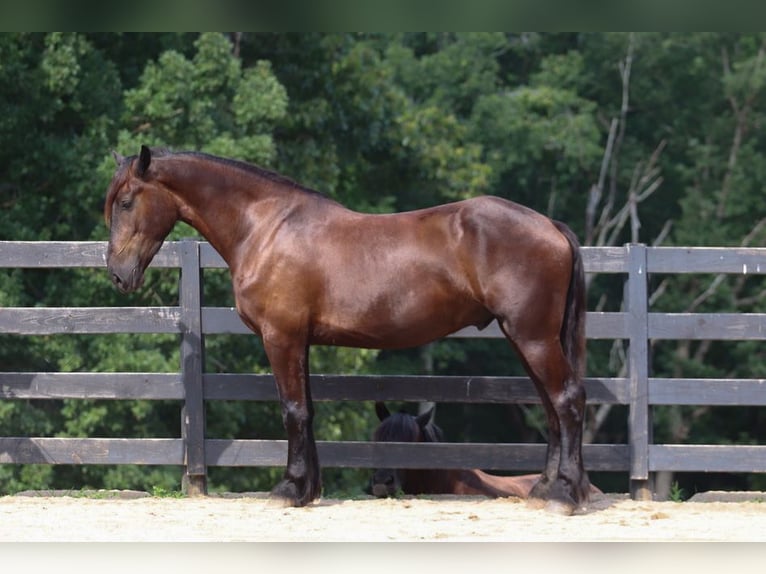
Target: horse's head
x=140 y=213
x=400 y=427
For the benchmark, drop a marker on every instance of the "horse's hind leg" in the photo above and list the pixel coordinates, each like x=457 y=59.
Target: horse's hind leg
x=302 y=480
x=563 y=485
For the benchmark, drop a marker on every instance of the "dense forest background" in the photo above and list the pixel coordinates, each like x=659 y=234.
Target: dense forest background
x=650 y=137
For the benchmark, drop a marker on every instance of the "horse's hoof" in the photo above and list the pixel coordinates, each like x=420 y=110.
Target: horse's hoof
x=279 y=502
x=552 y=497
x=553 y=506
x=287 y=494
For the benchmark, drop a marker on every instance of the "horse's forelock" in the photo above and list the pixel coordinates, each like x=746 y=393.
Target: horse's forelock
x=114 y=186
x=402 y=427
x=120 y=175
x=399 y=427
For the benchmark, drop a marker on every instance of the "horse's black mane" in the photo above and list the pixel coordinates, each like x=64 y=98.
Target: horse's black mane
x=243 y=165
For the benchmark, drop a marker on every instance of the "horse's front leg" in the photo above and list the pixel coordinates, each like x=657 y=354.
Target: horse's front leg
x=302 y=480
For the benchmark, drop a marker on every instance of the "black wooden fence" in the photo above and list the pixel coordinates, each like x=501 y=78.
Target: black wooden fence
x=192 y=386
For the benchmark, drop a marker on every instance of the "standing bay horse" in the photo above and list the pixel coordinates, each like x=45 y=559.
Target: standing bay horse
x=307 y=271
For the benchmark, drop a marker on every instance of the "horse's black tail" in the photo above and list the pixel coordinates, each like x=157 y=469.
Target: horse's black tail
x=573 y=327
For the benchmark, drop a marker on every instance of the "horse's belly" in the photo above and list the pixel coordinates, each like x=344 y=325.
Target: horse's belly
x=407 y=320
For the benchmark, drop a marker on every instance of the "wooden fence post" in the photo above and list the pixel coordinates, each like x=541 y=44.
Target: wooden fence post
x=192 y=349
x=639 y=418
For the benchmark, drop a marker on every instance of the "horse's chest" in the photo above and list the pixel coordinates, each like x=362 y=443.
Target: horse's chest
x=265 y=304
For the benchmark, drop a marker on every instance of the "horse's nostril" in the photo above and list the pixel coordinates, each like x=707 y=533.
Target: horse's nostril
x=116 y=279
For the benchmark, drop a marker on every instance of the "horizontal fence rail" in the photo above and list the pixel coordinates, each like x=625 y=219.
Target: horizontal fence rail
x=191 y=386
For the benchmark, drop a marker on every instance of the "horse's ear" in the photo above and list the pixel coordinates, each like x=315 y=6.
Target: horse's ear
x=382 y=411
x=424 y=419
x=118 y=159
x=144 y=159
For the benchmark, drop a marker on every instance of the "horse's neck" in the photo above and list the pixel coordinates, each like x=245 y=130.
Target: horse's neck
x=228 y=207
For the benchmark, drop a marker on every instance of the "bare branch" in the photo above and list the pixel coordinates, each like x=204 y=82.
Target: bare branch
x=727 y=72
x=658 y=292
x=718 y=279
x=625 y=68
x=597 y=191
x=614 y=143
x=644 y=182
x=752 y=300
x=663 y=234
x=757 y=228
x=741 y=113
x=707 y=293
x=236 y=40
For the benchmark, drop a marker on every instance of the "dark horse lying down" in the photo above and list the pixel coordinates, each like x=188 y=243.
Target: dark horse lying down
x=403 y=427
x=305 y=270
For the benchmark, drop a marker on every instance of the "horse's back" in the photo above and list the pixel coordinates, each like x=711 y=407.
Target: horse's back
x=485 y=228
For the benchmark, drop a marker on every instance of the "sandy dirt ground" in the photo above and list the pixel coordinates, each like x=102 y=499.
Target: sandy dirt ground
x=135 y=517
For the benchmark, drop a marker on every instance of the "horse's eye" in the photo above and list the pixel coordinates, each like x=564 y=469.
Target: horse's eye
x=126 y=203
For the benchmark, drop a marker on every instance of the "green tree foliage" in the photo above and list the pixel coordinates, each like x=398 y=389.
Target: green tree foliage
x=57 y=101
x=381 y=122
x=207 y=102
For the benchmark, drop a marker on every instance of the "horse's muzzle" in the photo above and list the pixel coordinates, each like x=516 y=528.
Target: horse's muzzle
x=126 y=281
x=384 y=483
x=381 y=491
